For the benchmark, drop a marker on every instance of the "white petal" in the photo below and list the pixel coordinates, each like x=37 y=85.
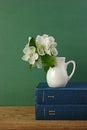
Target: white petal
x=38 y=38
x=26 y=49
x=25 y=57
x=41 y=52
x=47 y=43
x=39 y=64
x=35 y=56
x=51 y=39
x=54 y=51
x=32 y=49
x=48 y=52
x=45 y=36
x=31 y=61
x=55 y=44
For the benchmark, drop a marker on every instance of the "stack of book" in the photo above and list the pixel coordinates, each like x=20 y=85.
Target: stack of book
x=62 y=103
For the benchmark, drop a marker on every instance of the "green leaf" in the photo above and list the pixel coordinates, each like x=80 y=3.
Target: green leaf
x=32 y=42
x=48 y=61
x=46 y=68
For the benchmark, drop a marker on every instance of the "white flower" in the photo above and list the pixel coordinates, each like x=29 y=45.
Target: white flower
x=40 y=51
x=52 y=49
x=40 y=45
x=46 y=45
x=39 y=63
x=29 y=54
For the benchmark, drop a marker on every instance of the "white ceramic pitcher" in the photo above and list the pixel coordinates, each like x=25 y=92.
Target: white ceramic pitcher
x=57 y=76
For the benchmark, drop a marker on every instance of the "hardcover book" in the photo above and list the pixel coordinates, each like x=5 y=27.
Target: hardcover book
x=72 y=93
x=61 y=112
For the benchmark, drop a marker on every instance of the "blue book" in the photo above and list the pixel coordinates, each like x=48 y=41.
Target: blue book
x=72 y=93
x=61 y=112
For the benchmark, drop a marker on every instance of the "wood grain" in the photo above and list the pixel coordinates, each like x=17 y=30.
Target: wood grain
x=23 y=118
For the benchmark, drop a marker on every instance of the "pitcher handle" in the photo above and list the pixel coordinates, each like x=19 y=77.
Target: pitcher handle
x=73 y=70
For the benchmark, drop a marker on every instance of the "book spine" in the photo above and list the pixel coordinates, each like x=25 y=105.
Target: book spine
x=60 y=96
x=61 y=112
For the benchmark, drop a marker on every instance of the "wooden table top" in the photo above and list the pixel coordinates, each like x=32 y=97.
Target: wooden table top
x=23 y=118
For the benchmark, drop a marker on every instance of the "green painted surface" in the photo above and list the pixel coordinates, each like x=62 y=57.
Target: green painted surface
x=66 y=20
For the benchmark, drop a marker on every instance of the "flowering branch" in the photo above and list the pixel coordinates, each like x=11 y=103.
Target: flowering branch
x=40 y=51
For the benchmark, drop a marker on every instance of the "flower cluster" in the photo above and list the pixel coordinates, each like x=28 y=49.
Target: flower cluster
x=40 y=51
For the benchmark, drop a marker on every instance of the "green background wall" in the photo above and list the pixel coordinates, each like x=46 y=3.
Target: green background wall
x=66 y=20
